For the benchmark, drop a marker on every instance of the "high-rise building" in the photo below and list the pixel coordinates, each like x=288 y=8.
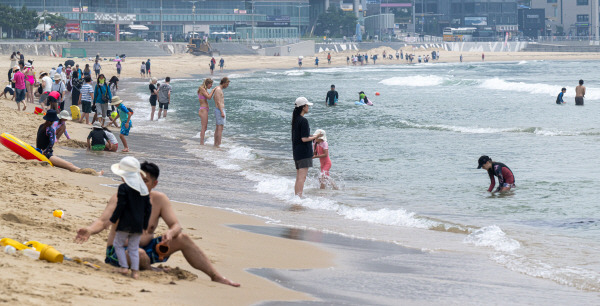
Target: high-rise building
x=178 y=17
x=569 y=17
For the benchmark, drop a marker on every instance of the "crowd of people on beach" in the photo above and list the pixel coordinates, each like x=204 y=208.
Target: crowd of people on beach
x=132 y=214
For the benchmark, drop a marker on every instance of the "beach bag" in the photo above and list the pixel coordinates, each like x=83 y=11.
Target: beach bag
x=104 y=97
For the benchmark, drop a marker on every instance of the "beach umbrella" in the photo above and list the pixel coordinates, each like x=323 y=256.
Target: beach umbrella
x=69 y=63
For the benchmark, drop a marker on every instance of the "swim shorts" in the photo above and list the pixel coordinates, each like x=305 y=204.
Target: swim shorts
x=42 y=97
x=20 y=95
x=578 y=100
x=220 y=120
x=125 y=131
x=86 y=107
x=153 y=100
x=101 y=109
x=150 y=249
x=98 y=147
x=163 y=106
x=9 y=90
x=304 y=163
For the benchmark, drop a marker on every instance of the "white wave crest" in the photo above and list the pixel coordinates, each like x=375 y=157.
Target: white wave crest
x=494 y=237
x=414 y=81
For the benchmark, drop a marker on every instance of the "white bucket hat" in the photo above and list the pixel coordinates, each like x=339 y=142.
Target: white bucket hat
x=322 y=133
x=129 y=169
x=64 y=115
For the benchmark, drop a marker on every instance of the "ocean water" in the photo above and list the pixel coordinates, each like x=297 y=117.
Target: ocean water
x=407 y=165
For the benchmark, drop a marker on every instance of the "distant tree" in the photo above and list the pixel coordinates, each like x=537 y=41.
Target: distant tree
x=336 y=23
x=58 y=24
x=18 y=21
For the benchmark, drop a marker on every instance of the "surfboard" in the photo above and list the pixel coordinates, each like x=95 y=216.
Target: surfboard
x=75 y=112
x=22 y=148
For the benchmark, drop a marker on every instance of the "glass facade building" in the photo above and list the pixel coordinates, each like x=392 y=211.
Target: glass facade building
x=178 y=16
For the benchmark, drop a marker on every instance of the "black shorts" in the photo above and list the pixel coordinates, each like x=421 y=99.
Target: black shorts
x=304 y=163
x=578 y=100
x=9 y=90
x=86 y=107
x=163 y=105
x=153 y=100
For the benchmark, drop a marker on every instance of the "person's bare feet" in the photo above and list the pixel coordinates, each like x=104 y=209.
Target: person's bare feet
x=123 y=271
x=223 y=280
x=125 y=150
x=135 y=274
x=101 y=173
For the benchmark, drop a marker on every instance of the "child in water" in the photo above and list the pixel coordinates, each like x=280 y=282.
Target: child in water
x=321 y=149
x=363 y=98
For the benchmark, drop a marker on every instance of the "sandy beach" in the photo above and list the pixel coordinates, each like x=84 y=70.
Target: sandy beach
x=32 y=190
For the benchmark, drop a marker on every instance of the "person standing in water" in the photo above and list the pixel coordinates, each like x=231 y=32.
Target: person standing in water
x=301 y=143
x=561 y=95
x=153 y=96
x=220 y=110
x=332 y=97
x=579 y=93
x=506 y=179
x=203 y=97
x=164 y=97
x=321 y=151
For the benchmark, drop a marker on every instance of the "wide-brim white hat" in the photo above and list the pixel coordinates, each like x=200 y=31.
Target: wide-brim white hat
x=64 y=115
x=129 y=169
x=322 y=133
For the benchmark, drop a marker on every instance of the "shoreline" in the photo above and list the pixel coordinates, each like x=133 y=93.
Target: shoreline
x=27 y=215
x=217 y=251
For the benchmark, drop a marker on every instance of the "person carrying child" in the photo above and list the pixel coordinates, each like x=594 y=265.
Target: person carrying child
x=321 y=149
x=132 y=213
x=124 y=114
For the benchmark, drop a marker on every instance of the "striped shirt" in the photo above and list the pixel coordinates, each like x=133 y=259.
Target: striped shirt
x=86 y=91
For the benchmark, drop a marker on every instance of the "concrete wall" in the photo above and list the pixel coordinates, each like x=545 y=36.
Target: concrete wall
x=32 y=48
x=304 y=48
x=496 y=46
x=173 y=48
x=449 y=46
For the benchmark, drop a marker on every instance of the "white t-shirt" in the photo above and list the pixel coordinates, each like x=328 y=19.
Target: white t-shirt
x=48 y=87
x=111 y=137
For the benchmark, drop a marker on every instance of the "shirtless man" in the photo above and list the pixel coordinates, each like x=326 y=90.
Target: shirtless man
x=579 y=93
x=174 y=238
x=220 y=110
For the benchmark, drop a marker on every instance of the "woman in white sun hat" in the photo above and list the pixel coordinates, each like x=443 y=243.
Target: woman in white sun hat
x=132 y=212
x=301 y=143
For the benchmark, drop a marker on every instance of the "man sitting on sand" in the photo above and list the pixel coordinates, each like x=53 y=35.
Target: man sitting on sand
x=173 y=240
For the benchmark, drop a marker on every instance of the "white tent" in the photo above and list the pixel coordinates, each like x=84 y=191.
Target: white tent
x=138 y=27
x=40 y=27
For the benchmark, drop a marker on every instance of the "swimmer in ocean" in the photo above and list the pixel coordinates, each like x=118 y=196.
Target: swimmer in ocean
x=561 y=95
x=506 y=179
x=332 y=97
